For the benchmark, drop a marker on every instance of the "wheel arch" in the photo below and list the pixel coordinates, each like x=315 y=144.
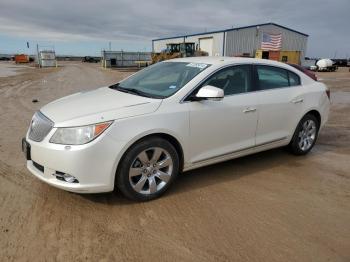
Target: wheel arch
x=316 y=114
x=313 y=112
x=172 y=140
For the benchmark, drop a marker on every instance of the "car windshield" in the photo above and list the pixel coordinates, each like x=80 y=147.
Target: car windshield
x=160 y=80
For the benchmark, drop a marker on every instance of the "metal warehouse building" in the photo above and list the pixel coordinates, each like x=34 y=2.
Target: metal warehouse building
x=244 y=41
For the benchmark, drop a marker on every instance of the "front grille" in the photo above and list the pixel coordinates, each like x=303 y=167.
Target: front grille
x=40 y=126
x=39 y=167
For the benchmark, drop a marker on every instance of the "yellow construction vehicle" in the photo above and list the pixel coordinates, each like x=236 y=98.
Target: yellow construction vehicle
x=177 y=50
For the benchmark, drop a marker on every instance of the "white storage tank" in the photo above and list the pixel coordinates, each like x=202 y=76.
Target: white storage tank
x=47 y=58
x=324 y=64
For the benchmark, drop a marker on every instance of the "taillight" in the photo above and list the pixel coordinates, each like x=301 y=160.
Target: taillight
x=328 y=92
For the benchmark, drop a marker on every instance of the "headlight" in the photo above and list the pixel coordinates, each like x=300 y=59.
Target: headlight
x=78 y=135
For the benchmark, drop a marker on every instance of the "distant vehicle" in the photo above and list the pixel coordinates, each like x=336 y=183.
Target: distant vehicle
x=340 y=62
x=310 y=64
x=313 y=68
x=137 y=135
x=5 y=58
x=326 y=65
x=90 y=59
x=305 y=71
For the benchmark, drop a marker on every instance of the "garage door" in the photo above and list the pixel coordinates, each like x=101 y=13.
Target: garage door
x=206 y=44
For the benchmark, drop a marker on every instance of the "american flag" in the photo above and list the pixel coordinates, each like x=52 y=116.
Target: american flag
x=271 y=42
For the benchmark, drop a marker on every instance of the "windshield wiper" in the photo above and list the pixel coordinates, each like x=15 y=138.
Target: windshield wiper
x=133 y=91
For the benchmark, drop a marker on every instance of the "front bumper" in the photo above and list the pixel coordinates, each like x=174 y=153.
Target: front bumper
x=93 y=164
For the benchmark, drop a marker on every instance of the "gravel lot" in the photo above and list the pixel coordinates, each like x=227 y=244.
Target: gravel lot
x=270 y=206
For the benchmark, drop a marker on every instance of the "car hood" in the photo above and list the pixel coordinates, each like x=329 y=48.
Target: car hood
x=99 y=105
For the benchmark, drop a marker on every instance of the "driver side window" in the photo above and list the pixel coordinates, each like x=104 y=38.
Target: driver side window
x=233 y=80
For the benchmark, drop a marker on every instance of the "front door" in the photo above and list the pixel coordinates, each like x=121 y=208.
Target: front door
x=222 y=127
x=265 y=55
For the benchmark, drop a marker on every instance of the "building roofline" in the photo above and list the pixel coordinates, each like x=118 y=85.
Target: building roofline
x=230 y=29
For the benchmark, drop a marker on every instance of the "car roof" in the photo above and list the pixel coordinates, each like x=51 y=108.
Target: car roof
x=219 y=61
x=222 y=60
x=209 y=59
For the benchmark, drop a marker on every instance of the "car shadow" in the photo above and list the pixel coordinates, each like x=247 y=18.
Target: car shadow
x=233 y=169
x=213 y=174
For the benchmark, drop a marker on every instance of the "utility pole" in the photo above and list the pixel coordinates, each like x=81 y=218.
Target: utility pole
x=37 y=54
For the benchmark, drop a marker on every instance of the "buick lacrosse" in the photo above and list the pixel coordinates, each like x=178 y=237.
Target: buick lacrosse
x=137 y=135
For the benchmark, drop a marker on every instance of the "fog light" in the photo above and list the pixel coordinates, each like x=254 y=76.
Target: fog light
x=65 y=177
x=70 y=179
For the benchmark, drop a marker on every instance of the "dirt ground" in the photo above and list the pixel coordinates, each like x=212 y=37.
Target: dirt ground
x=270 y=206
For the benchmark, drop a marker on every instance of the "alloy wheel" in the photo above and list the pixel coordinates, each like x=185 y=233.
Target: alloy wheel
x=151 y=170
x=307 y=135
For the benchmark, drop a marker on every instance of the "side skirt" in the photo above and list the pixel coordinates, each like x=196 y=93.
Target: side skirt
x=236 y=154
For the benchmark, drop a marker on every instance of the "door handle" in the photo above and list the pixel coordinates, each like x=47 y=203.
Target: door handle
x=249 y=109
x=297 y=101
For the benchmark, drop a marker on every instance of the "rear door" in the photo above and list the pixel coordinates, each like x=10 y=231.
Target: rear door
x=222 y=127
x=280 y=99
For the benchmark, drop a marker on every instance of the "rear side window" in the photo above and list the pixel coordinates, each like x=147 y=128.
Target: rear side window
x=233 y=80
x=294 y=79
x=272 y=77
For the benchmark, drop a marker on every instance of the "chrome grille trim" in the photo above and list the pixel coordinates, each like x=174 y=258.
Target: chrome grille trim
x=40 y=126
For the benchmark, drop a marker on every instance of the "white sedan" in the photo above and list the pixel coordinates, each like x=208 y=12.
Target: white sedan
x=139 y=134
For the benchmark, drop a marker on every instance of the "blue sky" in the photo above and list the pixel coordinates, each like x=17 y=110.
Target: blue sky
x=84 y=27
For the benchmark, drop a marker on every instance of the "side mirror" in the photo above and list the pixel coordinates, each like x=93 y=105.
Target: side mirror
x=210 y=93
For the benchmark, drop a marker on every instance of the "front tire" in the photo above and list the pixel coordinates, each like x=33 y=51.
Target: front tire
x=305 y=135
x=147 y=169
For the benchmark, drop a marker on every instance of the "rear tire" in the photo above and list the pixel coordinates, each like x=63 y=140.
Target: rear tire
x=305 y=135
x=147 y=169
